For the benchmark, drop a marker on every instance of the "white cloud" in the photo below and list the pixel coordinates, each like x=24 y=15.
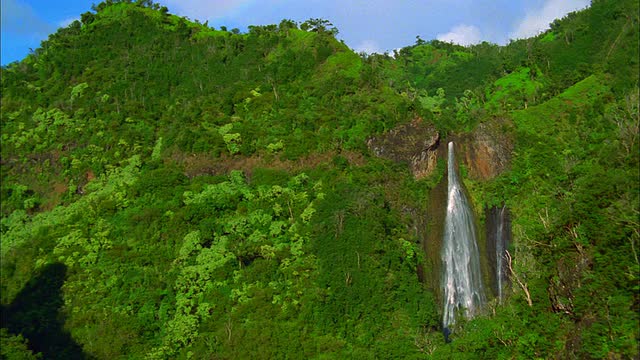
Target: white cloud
x=206 y=9
x=369 y=47
x=538 y=21
x=394 y=52
x=462 y=34
x=67 y=22
x=20 y=18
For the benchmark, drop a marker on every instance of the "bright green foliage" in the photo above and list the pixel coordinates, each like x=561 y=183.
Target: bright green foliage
x=548 y=37
x=468 y=109
x=77 y=90
x=432 y=103
x=513 y=91
x=111 y=188
x=156 y=154
x=344 y=64
x=14 y=347
x=275 y=147
x=232 y=140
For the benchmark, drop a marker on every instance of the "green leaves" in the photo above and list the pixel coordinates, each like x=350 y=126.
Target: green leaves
x=78 y=90
x=514 y=90
x=84 y=249
x=191 y=244
x=197 y=267
x=245 y=224
x=432 y=103
x=233 y=140
x=118 y=164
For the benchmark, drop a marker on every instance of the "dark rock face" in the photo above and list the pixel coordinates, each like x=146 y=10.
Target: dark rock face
x=414 y=143
x=486 y=152
x=498 y=237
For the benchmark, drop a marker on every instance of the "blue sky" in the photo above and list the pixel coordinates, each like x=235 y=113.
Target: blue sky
x=365 y=25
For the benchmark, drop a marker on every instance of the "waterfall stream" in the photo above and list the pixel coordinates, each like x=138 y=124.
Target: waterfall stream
x=500 y=252
x=462 y=278
x=498 y=231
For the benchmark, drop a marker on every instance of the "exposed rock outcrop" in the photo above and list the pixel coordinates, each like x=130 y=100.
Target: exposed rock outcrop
x=414 y=143
x=486 y=152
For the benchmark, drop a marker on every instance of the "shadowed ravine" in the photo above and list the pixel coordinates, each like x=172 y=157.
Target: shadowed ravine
x=498 y=233
x=35 y=314
x=462 y=278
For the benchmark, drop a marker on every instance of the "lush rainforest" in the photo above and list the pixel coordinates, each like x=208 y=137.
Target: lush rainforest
x=170 y=190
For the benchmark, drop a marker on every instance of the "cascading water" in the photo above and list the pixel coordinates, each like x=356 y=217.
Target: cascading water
x=498 y=230
x=500 y=244
x=462 y=279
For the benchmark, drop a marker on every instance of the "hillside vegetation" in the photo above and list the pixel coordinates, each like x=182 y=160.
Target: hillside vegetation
x=171 y=190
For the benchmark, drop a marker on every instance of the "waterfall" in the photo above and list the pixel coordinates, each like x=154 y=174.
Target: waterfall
x=462 y=279
x=498 y=228
x=500 y=253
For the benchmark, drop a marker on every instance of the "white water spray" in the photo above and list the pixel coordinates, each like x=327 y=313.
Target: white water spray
x=463 y=290
x=500 y=252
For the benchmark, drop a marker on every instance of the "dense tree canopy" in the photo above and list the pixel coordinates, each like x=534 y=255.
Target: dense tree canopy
x=178 y=191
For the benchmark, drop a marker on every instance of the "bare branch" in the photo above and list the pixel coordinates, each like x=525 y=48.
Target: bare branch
x=515 y=276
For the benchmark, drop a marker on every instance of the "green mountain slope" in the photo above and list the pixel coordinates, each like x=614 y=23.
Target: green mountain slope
x=170 y=190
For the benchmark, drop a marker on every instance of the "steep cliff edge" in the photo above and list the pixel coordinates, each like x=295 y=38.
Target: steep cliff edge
x=484 y=152
x=414 y=144
x=487 y=151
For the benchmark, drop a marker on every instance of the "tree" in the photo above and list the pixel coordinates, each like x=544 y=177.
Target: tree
x=320 y=26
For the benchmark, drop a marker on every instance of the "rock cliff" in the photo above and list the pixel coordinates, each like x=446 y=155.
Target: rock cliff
x=415 y=144
x=485 y=152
